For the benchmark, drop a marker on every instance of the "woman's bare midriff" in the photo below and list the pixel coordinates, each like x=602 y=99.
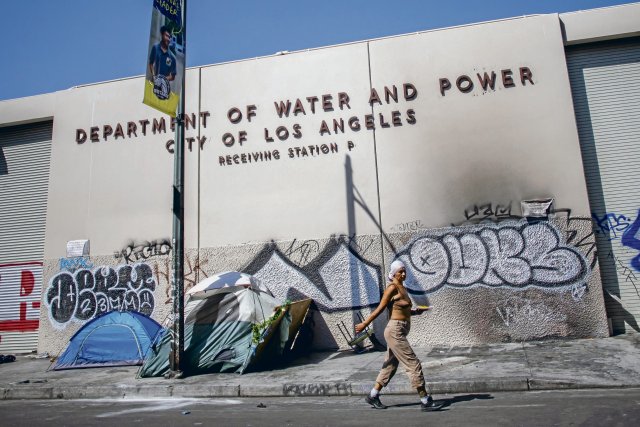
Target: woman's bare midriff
x=401 y=313
x=401 y=306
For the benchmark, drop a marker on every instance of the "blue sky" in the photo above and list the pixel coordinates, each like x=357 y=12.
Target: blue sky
x=52 y=45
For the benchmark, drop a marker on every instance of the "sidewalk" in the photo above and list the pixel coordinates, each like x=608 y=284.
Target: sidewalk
x=587 y=363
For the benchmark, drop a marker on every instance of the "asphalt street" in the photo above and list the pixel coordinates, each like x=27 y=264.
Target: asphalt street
x=595 y=407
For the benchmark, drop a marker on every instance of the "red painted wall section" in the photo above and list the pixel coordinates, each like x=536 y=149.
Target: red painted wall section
x=17 y=284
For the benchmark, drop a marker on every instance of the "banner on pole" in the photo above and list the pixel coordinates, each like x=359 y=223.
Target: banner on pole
x=165 y=59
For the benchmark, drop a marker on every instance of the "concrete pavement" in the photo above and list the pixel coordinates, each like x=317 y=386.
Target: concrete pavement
x=587 y=363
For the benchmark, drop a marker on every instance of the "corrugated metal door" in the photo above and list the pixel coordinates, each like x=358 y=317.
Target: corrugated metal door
x=605 y=81
x=25 y=153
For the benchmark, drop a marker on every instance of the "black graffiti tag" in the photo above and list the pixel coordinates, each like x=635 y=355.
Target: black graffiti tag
x=62 y=297
x=90 y=293
x=137 y=252
x=86 y=308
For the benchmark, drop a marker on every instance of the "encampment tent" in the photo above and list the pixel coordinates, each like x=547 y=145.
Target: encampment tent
x=227 y=330
x=112 y=339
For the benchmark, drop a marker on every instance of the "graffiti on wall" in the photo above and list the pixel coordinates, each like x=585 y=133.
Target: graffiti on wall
x=630 y=239
x=141 y=251
x=72 y=264
x=625 y=272
x=507 y=254
x=511 y=254
x=488 y=211
x=578 y=291
x=337 y=278
x=84 y=294
x=408 y=226
x=525 y=319
x=520 y=311
x=579 y=234
x=301 y=252
x=610 y=225
x=19 y=286
x=193 y=272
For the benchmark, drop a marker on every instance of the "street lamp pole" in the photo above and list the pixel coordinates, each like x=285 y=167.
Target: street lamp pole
x=176 y=359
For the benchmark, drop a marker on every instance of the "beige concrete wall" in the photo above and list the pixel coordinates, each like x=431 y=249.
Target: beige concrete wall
x=495 y=146
x=306 y=193
x=430 y=178
x=27 y=110
x=116 y=190
x=606 y=23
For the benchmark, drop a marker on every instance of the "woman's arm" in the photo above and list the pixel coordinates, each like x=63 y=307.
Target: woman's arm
x=419 y=310
x=386 y=297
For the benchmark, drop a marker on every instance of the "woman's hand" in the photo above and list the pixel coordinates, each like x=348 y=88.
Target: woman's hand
x=360 y=327
x=419 y=310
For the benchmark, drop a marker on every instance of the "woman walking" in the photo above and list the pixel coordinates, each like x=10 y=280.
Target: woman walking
x=396 y=298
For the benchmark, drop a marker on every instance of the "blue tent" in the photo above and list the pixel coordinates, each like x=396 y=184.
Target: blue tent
x=112 y=339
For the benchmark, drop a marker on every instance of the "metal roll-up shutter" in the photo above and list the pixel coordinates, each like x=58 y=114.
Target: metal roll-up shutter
x=605 y=81
x=25 y=153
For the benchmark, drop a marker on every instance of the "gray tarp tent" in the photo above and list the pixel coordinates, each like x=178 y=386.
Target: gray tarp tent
x=229 y=329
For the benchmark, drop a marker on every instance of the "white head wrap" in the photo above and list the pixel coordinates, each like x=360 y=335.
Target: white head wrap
x=395 y=267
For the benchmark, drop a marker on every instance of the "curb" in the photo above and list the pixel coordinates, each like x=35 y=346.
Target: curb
x=318 y=389
x=544 y=384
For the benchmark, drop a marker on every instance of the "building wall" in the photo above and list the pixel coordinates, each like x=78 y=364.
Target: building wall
x=390 y=149
x=605 y=80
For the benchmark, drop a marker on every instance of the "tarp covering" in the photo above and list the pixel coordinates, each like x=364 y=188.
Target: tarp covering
x=219 y=333
x=226 y=279
x=112 y=339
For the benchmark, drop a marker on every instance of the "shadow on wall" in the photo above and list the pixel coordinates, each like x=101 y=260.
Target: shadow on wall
x=623 y=317
x=353 y=197
x=321 y=337
x=4 y=169
x=334 y=274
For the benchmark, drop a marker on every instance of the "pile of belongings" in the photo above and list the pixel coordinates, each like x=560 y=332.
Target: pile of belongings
x=8 y=358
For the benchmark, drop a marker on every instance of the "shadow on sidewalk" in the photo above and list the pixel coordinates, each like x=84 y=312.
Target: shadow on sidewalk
x=446 y=403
